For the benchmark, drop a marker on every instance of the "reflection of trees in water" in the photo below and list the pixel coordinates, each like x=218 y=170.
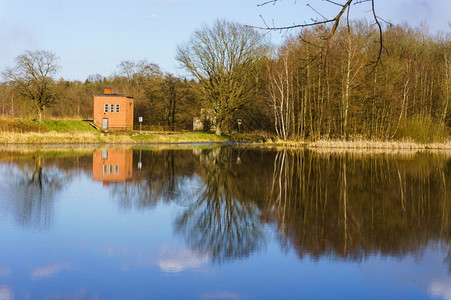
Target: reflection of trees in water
x=33 y=186
x=351 y=207
x=164 y=177
x=130 y=194
x=219 y=224
x=343 y=205
x=215 y=221
x=222 y=228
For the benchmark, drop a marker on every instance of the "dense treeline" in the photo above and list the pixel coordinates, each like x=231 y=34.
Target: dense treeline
x=309 y=89
x=341 y=91
x=163 y=100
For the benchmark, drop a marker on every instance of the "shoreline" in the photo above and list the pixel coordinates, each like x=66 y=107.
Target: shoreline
x=52 y=138
x=202 y=138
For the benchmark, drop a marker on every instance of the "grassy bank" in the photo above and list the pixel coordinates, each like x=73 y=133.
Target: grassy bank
x=102 y=138
x=21 y=131
x=363 y=145
x=388 y=145
x=15 y=126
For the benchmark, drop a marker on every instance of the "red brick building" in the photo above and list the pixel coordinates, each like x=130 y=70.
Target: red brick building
x=112 y=111
x=112 y=165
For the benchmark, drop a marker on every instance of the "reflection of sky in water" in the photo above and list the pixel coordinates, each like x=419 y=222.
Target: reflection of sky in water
x=6 y=293
x=5 y=272
x=95 y=250
x=47 y=271
x=441 y=290
x=173 y=260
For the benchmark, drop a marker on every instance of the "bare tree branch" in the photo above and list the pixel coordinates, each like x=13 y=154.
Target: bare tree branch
x=335 y=21
x=380 y=33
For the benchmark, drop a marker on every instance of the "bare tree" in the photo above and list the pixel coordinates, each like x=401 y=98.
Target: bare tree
x=280 y=86
x=224 y=59
x=343 y=8
x=169 y=89
x=446 y=65
x=353 y=43
x=137 y=72
x=32 y=78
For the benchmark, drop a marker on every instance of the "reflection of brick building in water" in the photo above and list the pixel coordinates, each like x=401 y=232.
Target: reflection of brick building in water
x=110 y=165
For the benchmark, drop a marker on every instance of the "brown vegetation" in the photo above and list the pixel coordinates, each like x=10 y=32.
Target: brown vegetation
x=309 y=92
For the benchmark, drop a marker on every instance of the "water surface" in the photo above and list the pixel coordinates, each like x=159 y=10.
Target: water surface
x=223 y=223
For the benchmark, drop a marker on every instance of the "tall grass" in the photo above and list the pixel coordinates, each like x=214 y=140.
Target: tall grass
x=422 y=130
x=366 y=144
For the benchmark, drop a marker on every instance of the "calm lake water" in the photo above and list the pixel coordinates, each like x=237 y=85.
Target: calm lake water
x=223 y=223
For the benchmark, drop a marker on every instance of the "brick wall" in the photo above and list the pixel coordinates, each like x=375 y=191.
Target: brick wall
x=116 y=120
x=110 y=165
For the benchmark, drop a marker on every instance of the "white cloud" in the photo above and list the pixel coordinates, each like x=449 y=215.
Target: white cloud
x=6 y=293
x=47 y=271
x=174 y=261
x=168 y=259
x=152 y=16
x=440 y=290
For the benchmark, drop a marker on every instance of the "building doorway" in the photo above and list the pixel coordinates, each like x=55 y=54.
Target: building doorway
x=105 y=123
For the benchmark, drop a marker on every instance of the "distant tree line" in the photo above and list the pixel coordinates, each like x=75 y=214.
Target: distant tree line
x=164 y=101
x=310 y=87
x=339 y=90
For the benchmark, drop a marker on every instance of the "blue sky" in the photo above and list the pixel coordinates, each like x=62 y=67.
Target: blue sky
x=94 y=36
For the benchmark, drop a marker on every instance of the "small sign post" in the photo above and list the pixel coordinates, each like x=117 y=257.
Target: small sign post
x=239 y=121
x=140 y=120
x=140 y=164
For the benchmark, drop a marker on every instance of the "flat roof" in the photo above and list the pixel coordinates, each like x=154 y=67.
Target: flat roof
x=113 y=95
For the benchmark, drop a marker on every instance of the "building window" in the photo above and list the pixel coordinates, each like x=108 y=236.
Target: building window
x=104 y=154
x=105 y=169
x=111 y=169
x=112 y=108
x=118 y=108
x=116 y=169
x=105 y=108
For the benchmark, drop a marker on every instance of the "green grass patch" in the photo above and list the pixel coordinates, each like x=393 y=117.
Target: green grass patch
x=58 y=126
x=26 y=131
x=68 y=126
x=178 y=137
x=141 y=138
x=243 y=137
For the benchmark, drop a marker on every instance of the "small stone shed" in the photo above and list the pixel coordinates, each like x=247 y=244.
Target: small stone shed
x=113 y=111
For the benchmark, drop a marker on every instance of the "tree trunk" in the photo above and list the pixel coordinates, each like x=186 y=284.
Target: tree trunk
x=218 y=131
x=12 y=106
x=40 y=115
x=447 y=88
